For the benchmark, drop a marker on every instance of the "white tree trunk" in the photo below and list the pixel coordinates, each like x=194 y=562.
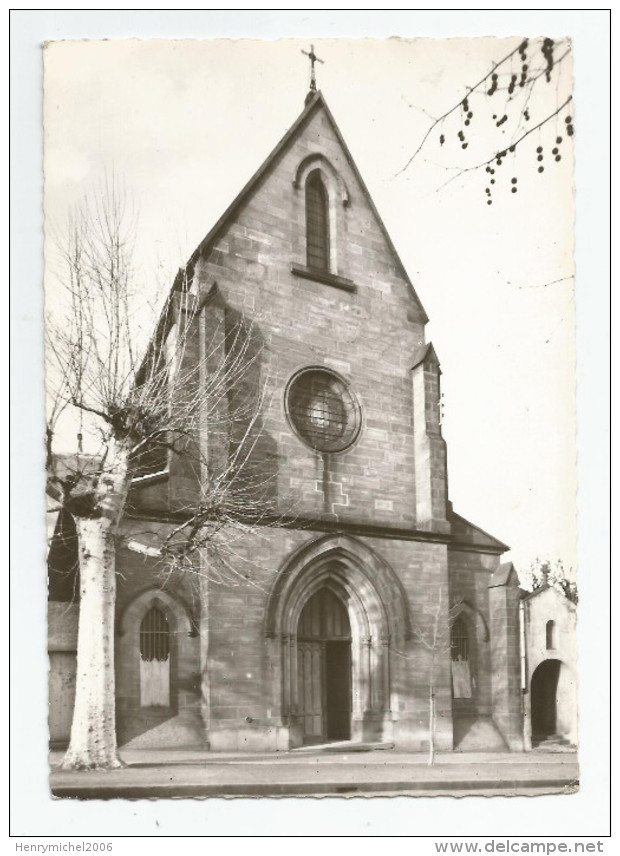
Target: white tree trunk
x=93 y=731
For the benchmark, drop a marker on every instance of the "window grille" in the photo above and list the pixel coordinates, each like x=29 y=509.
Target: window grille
x=154 y=636
x=317 y=223
x=459 y=643
x=323 y=410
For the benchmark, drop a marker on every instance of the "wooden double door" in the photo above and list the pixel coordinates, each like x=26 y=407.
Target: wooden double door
x=324 y=669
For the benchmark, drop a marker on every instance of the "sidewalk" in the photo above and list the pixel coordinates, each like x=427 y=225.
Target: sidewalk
x=195 y=773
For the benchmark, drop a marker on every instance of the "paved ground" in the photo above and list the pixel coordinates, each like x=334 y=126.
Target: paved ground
x=186 y=773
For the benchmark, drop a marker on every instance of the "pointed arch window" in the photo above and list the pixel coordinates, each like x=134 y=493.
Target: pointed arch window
x=459 y=651
x=154 y=659
x=459 y=642
x=317 y=222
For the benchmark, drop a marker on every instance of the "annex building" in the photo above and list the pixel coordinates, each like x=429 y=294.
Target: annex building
x=549 y=622
x=358 y=592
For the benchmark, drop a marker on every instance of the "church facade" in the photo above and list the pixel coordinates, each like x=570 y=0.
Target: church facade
x=358 y=594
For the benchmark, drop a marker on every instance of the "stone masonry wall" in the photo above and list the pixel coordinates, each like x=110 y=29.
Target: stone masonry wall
x=368 y=337
x=245 y=667
x=469 y=579
x=137 y=576
x=505 y=662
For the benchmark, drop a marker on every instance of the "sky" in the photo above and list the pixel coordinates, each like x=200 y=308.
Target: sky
x=184 y=124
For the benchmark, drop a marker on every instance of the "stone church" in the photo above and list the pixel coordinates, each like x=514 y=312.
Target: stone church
x=360 y=592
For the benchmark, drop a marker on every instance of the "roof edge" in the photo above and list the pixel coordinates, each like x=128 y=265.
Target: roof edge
x=423 y=353
x=373 y=208
x=501 y=577
x=213 y=233
x=498 y=545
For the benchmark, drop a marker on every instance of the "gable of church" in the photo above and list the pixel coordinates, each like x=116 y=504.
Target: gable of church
x=302 y=260
x=313 y=145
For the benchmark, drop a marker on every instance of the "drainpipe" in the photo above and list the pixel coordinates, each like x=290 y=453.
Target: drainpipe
x=522 y=651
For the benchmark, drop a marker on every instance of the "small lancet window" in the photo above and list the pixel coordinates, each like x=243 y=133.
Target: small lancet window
x=462 y=683
x=459 y=646
x=551 y=636
x=154 y=636
x=154 y=659
x=317 y=222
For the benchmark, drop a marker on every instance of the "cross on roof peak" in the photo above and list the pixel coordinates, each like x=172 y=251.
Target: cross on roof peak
x=313 y=58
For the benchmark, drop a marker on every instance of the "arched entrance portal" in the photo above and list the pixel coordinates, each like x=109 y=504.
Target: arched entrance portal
x=544 y=700
x=324 y=668
x=335 y=611
x=553 y=702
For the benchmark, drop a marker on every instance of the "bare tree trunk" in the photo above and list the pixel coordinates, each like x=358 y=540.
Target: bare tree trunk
x=431 y=726
x=431 y=689
x=93 y=731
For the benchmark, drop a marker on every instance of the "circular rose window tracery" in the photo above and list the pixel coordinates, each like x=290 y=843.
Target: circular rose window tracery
x=322 y=410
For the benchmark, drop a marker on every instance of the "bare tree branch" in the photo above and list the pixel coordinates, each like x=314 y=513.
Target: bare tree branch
x=470 y=89
x=527 y=83
x=197 y=395
x=503 y=152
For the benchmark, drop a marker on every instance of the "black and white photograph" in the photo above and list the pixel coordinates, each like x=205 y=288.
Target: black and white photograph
x=310 y=445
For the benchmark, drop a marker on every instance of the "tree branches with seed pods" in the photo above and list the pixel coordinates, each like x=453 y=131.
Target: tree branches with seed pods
x=184 y=395
x=515 y=120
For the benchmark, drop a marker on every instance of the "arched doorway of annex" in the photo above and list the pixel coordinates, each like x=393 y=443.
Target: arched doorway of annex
x=335 y=610
x=552 y=701
x=156 y=654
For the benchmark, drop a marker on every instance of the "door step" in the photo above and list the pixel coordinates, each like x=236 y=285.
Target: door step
x=341 y=746
x=552 y=743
